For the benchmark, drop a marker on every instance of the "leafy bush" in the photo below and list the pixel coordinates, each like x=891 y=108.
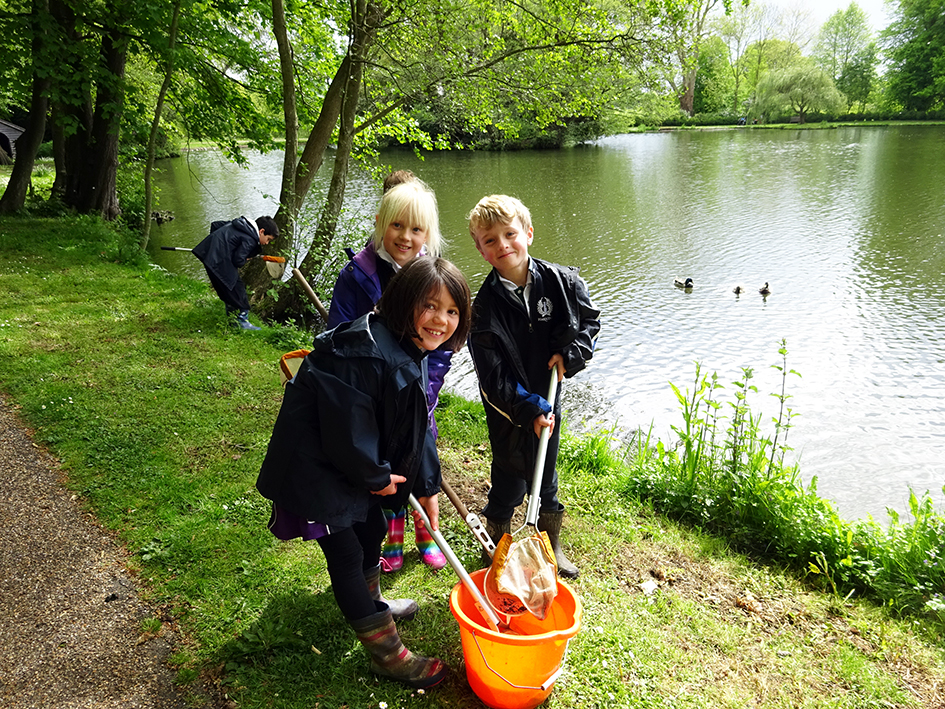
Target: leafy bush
x=735 y=482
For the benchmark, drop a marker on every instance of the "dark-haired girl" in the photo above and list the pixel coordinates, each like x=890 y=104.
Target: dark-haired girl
x=353 y=432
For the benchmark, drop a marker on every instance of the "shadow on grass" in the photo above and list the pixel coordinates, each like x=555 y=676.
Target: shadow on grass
x=301 y=653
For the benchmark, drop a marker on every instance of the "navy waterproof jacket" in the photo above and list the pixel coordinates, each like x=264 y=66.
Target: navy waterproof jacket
x=354 y=414
x=511 y=347
x=227 y=248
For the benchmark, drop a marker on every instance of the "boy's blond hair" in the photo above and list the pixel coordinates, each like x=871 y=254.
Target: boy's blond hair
x=414 y=202
x=498 y=209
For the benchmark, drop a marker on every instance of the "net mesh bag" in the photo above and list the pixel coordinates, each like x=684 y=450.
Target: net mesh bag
x=523 y=576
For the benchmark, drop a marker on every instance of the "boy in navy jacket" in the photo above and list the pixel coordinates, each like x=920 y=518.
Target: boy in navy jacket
x=529 y=316
x=226 y=250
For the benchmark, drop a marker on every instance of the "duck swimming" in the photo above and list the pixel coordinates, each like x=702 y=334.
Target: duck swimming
x=737 y=289
x=764 y=290
x=683 y=283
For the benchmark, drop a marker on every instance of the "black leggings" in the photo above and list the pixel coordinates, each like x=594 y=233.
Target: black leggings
x=349 y=553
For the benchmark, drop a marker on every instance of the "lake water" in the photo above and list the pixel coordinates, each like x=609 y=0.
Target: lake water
x=846 y=225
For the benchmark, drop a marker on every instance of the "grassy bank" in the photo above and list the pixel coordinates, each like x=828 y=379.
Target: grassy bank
x=161 y=413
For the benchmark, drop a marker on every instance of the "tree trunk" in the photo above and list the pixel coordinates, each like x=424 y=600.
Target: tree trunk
x=14 y=196
x=257 y=281
x=340 y=99
x=320 y=137
x=688 y=97
x=288 y=206
x=328 y=220
x=99 y=193
x=59 y=153
x=156 y=124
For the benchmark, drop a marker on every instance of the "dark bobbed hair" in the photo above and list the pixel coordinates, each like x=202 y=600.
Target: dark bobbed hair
x=268 y=225
x=412 y=285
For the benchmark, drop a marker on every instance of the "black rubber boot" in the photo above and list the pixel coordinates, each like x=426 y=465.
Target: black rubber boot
x=550 y=522
x=495 y=529
x=400 y=608
x=389 y=657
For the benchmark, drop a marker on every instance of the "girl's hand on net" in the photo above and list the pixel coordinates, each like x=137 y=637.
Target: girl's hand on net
x=395 y=480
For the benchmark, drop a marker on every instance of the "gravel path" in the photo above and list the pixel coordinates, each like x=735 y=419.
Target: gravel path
x=70 y=616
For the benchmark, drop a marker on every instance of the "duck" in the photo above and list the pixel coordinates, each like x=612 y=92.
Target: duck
x=161 y=217
x=737 y=290
x=683 y=282
x=764 y=290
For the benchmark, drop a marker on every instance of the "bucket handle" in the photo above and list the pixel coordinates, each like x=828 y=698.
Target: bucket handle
x=544 y=687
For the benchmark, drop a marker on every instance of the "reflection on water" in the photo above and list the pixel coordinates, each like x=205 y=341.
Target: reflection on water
x=845 y=224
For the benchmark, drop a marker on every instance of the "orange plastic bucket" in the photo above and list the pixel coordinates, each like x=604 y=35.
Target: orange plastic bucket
x=515 y=669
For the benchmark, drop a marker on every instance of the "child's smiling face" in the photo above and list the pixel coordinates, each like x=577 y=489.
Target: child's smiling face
x=505 y=247
x=437 y=319
x=403 y=240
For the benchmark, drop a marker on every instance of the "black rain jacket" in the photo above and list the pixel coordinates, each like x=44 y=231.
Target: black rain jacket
x=510 y=348
x=227 y=248
x=355 y=413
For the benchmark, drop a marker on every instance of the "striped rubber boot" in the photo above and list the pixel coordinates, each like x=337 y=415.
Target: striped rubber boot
x=389 y=657
x=400 y=608
x=429 y=552
x=392 y=556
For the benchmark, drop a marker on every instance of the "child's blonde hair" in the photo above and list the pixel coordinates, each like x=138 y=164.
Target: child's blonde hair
x=498 y=209
x=415 y=203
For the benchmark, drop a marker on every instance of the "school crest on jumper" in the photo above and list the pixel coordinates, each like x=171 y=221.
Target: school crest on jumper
x=543 y=307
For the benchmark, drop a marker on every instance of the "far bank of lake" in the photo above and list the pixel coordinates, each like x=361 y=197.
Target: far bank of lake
x=845 y=225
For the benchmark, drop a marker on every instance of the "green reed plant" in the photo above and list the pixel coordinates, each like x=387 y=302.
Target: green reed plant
x=737 y=482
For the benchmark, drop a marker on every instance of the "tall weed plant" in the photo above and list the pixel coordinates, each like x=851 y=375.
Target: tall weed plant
x=730 y=474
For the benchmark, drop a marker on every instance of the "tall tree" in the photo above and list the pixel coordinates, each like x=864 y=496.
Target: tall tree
x=537 y=54
x=156 y=122
x=770 y=51
x=846 y=52
x=844 y=35
x=39 y=33
x=89 y=95
x=734 y=29
x=687 y=35
x=714 y=83
x=915 y=51
x=858 y=78
x=802 y=88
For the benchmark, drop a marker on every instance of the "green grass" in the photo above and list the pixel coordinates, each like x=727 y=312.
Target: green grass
x=161 y=412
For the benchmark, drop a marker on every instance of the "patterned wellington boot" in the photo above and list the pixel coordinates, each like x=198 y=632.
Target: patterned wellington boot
x=429 y=552
x=400 y=608
x=392 y=556
x=389 y=657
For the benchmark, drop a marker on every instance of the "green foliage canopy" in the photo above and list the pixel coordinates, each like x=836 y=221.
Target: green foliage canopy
x=802 y=88
x=915 y=50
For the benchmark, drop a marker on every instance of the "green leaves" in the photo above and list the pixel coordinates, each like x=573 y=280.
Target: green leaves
x=915 y=45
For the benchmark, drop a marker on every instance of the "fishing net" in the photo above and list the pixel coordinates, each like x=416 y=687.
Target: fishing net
x=523 y=576
x=275 y=265
x=524 y=573
x=290 y=363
